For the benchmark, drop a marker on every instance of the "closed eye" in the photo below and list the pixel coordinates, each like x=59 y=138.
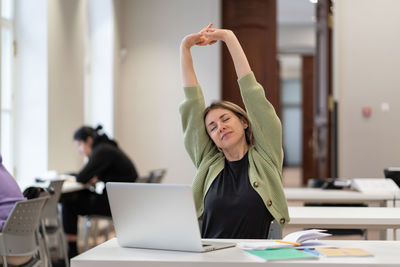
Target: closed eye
x=212 y=126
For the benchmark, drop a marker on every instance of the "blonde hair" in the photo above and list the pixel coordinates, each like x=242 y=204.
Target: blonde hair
x=238 y=111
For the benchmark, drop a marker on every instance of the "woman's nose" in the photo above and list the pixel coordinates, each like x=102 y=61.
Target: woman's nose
x=221 y=126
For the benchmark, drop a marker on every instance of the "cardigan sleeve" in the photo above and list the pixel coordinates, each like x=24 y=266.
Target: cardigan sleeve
x=197 y=142
x=266 y=126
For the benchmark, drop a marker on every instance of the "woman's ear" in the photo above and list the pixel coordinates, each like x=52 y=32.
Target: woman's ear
x=89 y=140
x=245 y=124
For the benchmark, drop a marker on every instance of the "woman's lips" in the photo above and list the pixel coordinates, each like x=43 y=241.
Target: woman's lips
x=225 y=135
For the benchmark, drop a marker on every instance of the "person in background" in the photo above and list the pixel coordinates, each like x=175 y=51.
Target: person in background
x=106 y=163
x=238 y=186
x=10 y=193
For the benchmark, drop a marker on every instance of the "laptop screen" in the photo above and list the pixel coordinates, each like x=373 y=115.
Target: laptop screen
x=157 y=216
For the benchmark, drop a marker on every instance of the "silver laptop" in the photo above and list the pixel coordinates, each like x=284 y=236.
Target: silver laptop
x=157 y=216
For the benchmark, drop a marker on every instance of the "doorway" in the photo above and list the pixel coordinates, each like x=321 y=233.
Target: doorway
x=305 y=53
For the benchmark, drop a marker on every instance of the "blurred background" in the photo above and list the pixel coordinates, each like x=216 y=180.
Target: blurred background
x=329 y=67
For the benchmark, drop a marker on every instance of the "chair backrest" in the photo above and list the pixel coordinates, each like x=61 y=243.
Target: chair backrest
x=18 y=236
x=50 y=208
x=156 y=175
x=144 y=179
x=275 y=230
x=394 y=174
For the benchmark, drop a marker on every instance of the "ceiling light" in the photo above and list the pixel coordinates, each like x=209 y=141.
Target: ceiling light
x=314 y=1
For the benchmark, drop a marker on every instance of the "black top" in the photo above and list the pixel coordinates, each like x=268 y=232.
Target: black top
x=232 y=208
x=109 y=164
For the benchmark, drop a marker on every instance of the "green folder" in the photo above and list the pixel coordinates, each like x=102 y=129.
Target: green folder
x=281 y=254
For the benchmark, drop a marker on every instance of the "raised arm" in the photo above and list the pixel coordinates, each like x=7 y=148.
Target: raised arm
x=197 y=142
x=188 y=74
x=239 y=58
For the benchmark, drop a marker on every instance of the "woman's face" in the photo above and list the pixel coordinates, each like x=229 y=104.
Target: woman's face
x=84 y=147
x=225 y=128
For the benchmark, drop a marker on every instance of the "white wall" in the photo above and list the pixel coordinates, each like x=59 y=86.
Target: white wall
x=367 y=63
x=99 y=88
x=147 y=119
x=66 y=20
x=148 y=85
x=296 y=38
x=30 y=89
x=48 y=86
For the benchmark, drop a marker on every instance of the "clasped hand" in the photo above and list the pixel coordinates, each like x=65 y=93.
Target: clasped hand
x=207 y=36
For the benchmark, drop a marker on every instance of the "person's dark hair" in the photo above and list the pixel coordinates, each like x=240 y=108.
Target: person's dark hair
x=98 y=136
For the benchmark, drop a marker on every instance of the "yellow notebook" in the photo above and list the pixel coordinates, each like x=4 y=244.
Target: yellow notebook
x=344 y=252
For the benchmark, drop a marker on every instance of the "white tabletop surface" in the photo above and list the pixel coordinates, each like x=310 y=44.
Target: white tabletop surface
x=71 y=186
x=345 y=217
x=315 y=195
x=386 y=253
x=68 y=185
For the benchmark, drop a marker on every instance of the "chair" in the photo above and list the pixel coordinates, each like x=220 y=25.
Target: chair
x=51 y=223
x=275 y=230
x=154 y=176
x=20 y=232
x=92 y=222
x=157 y=175
x=92 y=229
x=144 y=179
x=393 y=173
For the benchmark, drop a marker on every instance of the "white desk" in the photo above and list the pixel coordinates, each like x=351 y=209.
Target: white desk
x=317 y=195
x=345 y=217
x=397 y=199
x=68 y=186
x=386 y=253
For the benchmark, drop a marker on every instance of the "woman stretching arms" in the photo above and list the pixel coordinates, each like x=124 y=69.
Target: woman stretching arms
x=238 y=186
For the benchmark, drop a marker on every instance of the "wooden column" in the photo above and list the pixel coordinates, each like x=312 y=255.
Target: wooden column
x=254 y=23
x=309 y=138
x=323 y=90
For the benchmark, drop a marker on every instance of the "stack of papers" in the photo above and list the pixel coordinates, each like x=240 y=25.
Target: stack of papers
x=262 y=245
x=301 y=236
x=281 y=254
x=291 y=240
x=289 y=247
x=344 y=252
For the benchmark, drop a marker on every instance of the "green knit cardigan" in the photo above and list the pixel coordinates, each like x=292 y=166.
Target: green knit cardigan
x=265 y=156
